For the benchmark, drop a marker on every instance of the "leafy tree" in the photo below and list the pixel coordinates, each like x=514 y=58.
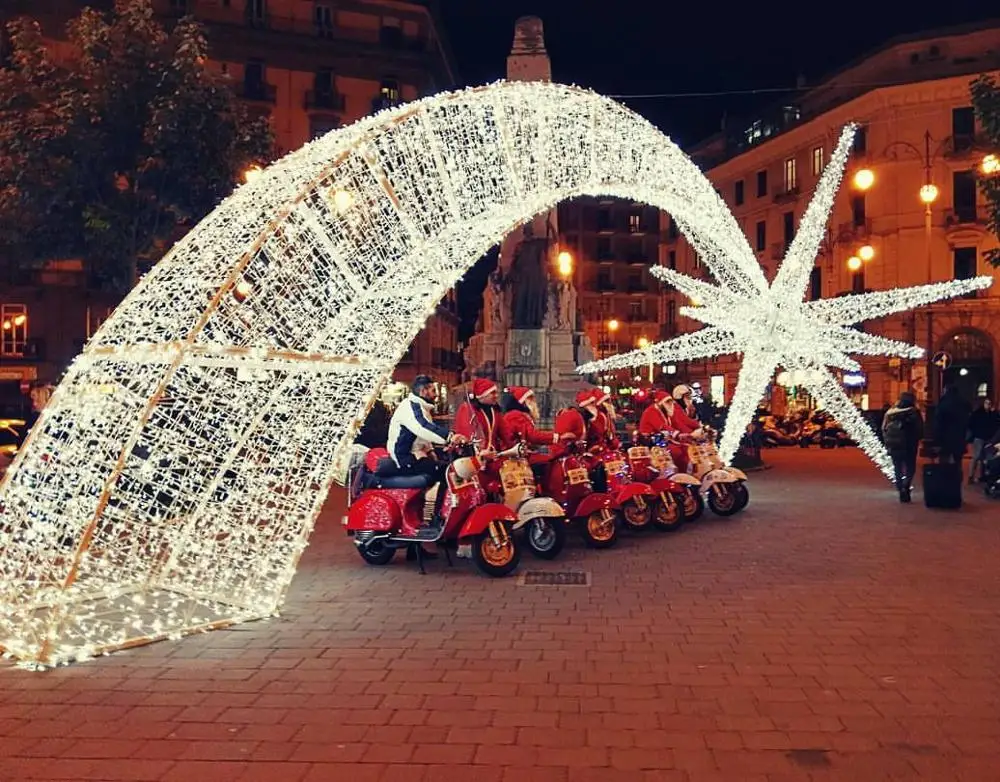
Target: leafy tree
x=112 y=145
x=986 y=100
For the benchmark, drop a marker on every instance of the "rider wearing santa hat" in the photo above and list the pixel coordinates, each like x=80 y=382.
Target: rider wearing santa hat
x=602 y=431
x=574 y=422
x=481 y=419
x=521 y=414
x=666 y=416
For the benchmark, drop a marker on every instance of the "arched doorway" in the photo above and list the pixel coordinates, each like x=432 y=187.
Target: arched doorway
x=176 y=474
x=971 y=368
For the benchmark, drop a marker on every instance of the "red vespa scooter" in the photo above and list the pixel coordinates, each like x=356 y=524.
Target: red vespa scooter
x=611 y=472
x=566 y=479
x=387 y=514
x=671 y=492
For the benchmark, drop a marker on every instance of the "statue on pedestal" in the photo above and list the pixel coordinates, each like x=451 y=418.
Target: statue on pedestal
x=561 y=306
x=496 y=302
x=528 y=283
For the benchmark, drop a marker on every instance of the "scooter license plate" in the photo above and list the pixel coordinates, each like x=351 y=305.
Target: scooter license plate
x=576 y=476
x=638 y=452
x=614 y=467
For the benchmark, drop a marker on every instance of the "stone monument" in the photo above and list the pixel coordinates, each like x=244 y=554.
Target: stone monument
x=529 y=333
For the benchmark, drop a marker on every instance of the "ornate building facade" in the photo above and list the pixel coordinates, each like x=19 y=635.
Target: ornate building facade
x=909 y=212
x=311 y=67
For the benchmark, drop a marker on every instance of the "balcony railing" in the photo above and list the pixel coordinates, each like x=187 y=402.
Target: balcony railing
x=966 y=144
x=381 y=102
x=638 y=287
x=259 y=92
x=968 y=215
x=322 y=99
x=855 y=228
x=638 y=258
x=787 y=196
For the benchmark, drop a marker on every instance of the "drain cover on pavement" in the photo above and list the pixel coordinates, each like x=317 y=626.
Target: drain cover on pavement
x=534 y=578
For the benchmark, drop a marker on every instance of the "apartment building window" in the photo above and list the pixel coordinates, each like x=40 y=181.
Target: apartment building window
x=320 y=126
x=788 y=223
x=761 y=184
x=179 y=6
x=963 y=128
x=817 y=161
x=634 y=222
x=672 y=259
x=391 y=33
x=964 y=194
x=964 y=263
x=738 y=195
x=635 y=282
x=14 y=334
x=635 y=311
x=791 y=178
x=672 y=231
x=256 y=12
x=603 y=220
x=323 y=18
x=671 y=312
x=761 y=236
x=604 y=251
x=323 y=82
x=389 y=91
x=858 y=211
x=816 y=284
x=605 y=282
x=254 y=81
x=860 y=141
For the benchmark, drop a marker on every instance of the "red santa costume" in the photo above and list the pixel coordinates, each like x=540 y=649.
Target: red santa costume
x=602 y=430
x=576 y=420
x=520 y=423
x=665 y=415
x=481 y=421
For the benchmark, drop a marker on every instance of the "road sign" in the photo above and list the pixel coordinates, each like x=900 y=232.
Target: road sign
x=941 y=360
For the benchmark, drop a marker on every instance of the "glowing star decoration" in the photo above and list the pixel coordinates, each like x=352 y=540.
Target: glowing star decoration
x=172 y=482
x=776 y=328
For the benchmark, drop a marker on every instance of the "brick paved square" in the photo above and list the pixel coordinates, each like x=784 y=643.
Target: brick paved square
x=826 y=633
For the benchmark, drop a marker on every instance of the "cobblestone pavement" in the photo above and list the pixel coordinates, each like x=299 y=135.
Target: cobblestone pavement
x=826 y=633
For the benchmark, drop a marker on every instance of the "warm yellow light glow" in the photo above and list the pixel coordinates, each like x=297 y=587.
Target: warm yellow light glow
x=342 y=200
x=252 y=174
x=6 y=325
x=565 y=263
x=643 y=342
x=20 y=319
x=854 y=263
x=866 y=253
x=928 y=193
x=613 y=325
x=864 y=178
x=991 y=165
x=695 y=301
x=242 y=291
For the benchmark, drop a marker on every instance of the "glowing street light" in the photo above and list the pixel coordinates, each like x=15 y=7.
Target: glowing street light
x=252 y=174
x=643 y=343
x=866 y=252
x=990 y=165
x=929 y=193
x=613 y=325
x=864 y=178
x=564 y=263
x=342 y=200
x=854 y=263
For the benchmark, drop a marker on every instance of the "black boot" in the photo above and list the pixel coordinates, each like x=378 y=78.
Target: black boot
x=904 y=495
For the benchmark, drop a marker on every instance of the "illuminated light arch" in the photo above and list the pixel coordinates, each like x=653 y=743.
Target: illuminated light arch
x=172 y=481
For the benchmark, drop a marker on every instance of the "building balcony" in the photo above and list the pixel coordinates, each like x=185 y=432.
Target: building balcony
x=638 y=318
x=957 y=147
x=777 y=250
x=637 y=287
x=965 y=216
x=257 y=92
x=855 y=228
x=606 y=258
x=381 y=103
x=787 y=196
x=639 y=259
x=324 y=100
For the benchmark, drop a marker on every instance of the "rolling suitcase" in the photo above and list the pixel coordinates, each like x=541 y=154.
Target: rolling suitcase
x=943 y=485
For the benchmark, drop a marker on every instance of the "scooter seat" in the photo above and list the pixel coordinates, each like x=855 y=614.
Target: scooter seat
x=402 y=481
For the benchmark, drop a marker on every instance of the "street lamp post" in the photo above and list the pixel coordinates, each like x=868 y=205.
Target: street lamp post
x=643 y=343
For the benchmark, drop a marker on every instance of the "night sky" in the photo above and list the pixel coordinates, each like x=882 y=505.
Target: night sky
x=751 y=52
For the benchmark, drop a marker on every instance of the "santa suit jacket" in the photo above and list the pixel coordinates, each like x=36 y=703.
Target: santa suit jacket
x=520 y=427
x=602 y=431
x=570 y=420
x=655 y=420
x=486 y=424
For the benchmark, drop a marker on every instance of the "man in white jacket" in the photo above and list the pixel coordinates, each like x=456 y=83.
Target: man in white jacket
x=413 y=432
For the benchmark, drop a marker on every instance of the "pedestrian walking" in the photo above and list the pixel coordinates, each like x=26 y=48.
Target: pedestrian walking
x=951 y=423
x=984 y=424
x=902 y=430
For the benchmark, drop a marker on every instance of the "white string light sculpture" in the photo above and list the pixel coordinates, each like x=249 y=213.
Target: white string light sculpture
x=173 y=480
x=776 y=328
